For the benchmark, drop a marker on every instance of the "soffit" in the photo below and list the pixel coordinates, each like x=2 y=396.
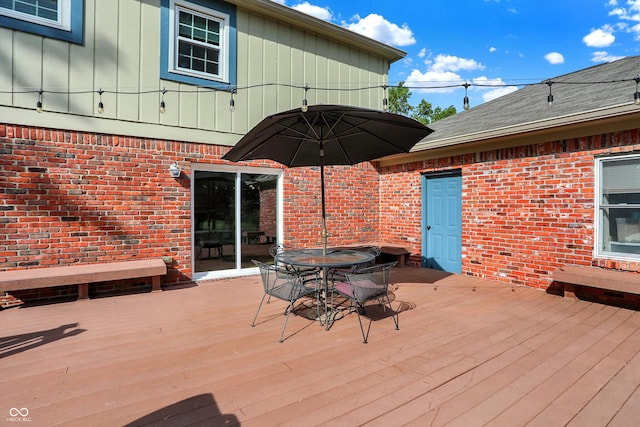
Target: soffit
x=301 y=20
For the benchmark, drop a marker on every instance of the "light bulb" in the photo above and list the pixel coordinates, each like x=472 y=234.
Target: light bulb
x=163 y=107
x=100 y=107
x=39 y=106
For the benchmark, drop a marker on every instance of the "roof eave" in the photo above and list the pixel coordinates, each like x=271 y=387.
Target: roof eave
x=619 y=117
x=286 y=14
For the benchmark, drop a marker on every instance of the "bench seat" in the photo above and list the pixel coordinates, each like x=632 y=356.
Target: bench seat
x=402 y=254
x=82 y=275
x=594 y=277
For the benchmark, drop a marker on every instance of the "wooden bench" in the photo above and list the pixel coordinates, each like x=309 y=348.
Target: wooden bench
x=402 y=254
x=82 y=275
x=620 y=281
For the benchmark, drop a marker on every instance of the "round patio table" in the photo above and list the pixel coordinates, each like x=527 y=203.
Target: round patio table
x=333 y=258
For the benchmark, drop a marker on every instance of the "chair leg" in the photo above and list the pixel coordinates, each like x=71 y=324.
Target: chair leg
x=364 y=336
x=286 y=318
x=394 y=314
x=259 y=307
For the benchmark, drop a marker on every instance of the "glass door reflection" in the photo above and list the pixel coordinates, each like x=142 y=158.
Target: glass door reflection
x=235 y=217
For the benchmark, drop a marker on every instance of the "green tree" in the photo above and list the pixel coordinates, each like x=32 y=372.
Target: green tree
x=399 y=99
x=424 y=112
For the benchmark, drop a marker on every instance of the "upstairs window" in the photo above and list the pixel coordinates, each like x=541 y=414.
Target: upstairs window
x=46 y=12
x=59 y=19
x=199 y=42
x=618 y=204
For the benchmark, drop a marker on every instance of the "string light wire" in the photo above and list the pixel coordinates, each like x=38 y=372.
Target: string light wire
x=233 y=90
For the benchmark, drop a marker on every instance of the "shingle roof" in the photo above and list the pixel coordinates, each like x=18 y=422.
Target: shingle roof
x=596 y=92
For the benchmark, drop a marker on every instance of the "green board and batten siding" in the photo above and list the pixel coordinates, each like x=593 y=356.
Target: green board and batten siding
x=121 y=51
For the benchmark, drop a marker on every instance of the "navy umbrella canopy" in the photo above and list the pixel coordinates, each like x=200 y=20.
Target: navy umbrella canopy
x=328 y=135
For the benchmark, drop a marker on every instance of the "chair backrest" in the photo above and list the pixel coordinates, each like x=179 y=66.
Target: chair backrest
x=282 y=283
x=371 y=282
x=276 y=249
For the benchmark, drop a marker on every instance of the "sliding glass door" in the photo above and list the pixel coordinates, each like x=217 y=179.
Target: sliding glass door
x=235 y=219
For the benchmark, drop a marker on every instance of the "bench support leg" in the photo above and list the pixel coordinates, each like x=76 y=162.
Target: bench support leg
x=155 y=284
x=83 y=291
x=402 y=260
x=569 y=291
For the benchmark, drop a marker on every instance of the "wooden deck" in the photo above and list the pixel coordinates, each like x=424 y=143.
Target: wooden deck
x=469 y=352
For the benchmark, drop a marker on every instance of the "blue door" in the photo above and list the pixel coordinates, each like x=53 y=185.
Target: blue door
x=442 y=222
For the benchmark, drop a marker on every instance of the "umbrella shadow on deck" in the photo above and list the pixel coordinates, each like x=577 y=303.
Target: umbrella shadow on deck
x=191 y=411
x=18 y=343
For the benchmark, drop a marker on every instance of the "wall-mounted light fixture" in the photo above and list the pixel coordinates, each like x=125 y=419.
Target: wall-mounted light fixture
x=175 y=171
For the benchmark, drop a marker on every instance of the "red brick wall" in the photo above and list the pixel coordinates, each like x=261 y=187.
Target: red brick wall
x=525 y=210
x=351 y=201
x=71 y=197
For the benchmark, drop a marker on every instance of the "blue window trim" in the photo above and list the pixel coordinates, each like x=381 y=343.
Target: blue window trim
x=75 y=35
x=164 y=46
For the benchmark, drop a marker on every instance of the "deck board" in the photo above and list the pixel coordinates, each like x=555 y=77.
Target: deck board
x=469 y=352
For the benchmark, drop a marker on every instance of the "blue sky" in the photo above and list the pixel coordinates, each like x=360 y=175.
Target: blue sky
x=490 y=44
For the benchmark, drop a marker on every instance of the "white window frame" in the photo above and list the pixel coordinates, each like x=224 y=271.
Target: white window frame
x=599 y=250
x=237 y=271
x=223 y=18
x=63 y=22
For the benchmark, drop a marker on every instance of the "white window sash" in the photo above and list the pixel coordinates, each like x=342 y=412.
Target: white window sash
x=63 y=22
x=223 y=47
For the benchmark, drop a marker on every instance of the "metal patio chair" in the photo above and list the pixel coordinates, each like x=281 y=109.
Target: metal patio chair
x=280 y=247
x=339 y=274
x=364 y=285
x=287 y=285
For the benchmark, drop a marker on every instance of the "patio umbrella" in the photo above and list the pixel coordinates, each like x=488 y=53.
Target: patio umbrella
x=328 y=135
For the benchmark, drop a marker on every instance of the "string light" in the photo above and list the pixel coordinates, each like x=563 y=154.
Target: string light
x=100 y=104
x=385 y=101
x=232 y=102
x=39 y=103
x=163 y=106
x=465 y=101
x=305 y=104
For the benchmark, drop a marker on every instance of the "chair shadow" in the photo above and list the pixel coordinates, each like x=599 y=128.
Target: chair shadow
x=18 y=343
x=196 y=410
x=304 y=309
x=374 y=311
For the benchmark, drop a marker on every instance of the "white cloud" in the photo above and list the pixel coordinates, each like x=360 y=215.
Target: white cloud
x=631 y=13
x=432 y=81
x=601 y=37
x=443 y=63
x=378 y=28
x=422 y=53
x=316 y=11
x=492 y=88
x=492 y=49
x=442 y=75
x=554 y=58
x=602 y=56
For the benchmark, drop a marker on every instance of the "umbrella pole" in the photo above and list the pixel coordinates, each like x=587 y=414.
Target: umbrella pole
x=324 y=217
